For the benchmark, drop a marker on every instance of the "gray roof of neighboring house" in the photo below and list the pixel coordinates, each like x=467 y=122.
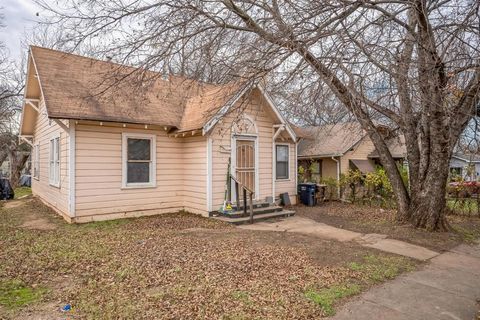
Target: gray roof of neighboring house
x=337 y=139
x=471 y=157
x=328 y=140
x=397 y=148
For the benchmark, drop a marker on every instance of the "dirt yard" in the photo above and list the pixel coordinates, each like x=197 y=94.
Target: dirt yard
x=174 y=266
x=367 y=219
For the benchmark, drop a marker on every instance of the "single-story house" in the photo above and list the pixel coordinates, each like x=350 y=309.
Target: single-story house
x=466 y=166
x=104 y=149
x=331 y=150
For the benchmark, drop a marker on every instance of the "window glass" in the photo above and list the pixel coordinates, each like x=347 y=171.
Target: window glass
x=138 y=172
x=138 y=149
x=54 y=162
x=139 y=162
x=282 y=162
x=282 y=153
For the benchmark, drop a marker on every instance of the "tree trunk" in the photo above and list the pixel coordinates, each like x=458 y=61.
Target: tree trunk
x=428 y=206
x=17 y=163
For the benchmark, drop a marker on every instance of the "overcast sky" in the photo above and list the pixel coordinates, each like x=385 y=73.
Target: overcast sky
x=19 y=18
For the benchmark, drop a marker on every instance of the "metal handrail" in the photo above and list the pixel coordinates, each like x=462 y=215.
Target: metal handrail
x=241 y=184
x=245 y=190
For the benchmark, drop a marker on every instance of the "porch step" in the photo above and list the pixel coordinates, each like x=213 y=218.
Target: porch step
x=256 y=217
x=256 y=205
x=256 y=211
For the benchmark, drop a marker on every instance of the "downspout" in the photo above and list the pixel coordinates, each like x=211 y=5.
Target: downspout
x=280 y=128
x=338 y=176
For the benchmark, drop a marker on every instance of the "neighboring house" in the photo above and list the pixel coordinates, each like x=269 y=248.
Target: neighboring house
x=466 y=166
x=161 y=147
x=331 y=150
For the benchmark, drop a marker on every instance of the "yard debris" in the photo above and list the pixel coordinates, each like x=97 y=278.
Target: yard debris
x=66 y=308
x=191 y=267
x=366 y=219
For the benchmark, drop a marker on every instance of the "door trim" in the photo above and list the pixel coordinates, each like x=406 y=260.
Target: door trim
x=233 y=157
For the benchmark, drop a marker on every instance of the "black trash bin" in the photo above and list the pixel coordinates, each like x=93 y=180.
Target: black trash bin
x=6 y=191
x=307 y=193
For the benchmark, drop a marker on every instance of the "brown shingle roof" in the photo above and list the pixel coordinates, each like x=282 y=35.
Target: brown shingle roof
x=397 y=148
x=328 y=140
x=76 y=87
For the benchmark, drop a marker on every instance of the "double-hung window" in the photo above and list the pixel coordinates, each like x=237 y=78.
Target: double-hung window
x=54 y=161
x=281 y=156
x=36 y=161
x=138 y=160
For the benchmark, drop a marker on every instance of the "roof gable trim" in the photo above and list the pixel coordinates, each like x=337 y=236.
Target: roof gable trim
x=251 y=85
x=27 y=102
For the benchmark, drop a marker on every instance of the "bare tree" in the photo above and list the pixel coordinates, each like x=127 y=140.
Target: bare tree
x=410 y=64
x=11 y=91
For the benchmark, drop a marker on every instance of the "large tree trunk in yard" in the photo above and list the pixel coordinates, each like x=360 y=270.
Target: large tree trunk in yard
x=428 y=207
x=17 y=163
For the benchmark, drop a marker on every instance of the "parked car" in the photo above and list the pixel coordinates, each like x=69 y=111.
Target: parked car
x=6 y=190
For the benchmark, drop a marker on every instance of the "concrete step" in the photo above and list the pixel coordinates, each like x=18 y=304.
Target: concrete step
x=256 y=211
x=257 y=217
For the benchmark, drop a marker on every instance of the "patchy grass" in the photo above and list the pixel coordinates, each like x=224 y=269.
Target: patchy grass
x=365 y=219
x=369 y=270
x=376 y=269
x=15 y=294
x=469 y=235
x=21 y=192
x=325 y=298
x=175 y=265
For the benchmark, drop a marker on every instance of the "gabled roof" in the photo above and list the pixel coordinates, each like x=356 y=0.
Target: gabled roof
x=82 y=88
x=328 y=140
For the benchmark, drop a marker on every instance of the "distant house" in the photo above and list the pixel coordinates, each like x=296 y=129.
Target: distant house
x=161 y=147
x=466 y=166
x=331 y=150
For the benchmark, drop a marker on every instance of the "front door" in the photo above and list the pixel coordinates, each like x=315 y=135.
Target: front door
x=245 y=163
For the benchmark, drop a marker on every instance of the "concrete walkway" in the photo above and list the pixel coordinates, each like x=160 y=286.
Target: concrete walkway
x=447 y=288
x=322 y=230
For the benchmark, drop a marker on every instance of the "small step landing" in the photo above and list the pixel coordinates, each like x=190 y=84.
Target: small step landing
x=238 y=220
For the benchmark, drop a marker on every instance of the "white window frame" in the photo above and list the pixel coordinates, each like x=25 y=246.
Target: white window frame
x=54 y=164
x=288 y=161
x=36 y=161
x=153 y=160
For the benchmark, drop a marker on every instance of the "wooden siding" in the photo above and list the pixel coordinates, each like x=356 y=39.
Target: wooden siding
x=288 y=185
x=58 y=198
x=254 y=107
x=329 y=168
x=359 y=152
x=194 y=181
x=99 y=173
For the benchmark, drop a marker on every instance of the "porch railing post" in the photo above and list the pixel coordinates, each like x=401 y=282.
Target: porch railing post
x=244 y=201
x=251 y=207
x=237 y=194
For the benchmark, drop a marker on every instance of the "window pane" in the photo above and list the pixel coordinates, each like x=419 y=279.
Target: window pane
x=57 y=149
x=52 y=150
x=282 y=170
x=138 y=149
x=282 y=153
x=138 y=172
